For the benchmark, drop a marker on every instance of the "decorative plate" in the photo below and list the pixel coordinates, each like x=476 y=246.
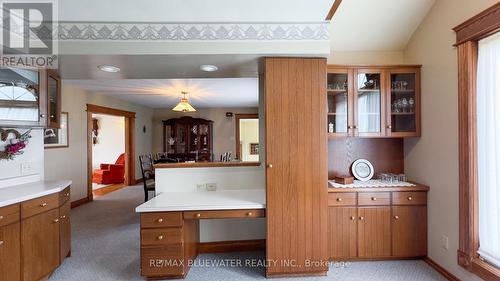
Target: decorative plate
x=362 y=170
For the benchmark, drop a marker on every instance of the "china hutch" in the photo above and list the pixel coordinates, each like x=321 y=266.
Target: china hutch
x=188 y=139
x=374 y=101
x=30 y=98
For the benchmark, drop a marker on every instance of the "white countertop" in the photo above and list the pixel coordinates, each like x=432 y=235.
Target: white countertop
x=23 y=192
x=206 y=200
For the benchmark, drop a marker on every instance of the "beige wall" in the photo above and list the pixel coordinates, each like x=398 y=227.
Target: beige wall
x=365 y=57
x=433 y=158
x=110 y=140
x=224 y=128
x=71 y=163
x=249 y=133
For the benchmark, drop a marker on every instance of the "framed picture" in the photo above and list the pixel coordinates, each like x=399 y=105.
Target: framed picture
x=254 y=148
x=57 y=138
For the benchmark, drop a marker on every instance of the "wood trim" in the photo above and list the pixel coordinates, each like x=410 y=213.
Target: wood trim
x=467 y=69
x=237 y=118
x=446 y=274
x=107 y=189
x=80 y=202
x=108 y=110
x=206 y=165
x=90 y=195
x=231 y=246
x=333 y=9
x=479 y=26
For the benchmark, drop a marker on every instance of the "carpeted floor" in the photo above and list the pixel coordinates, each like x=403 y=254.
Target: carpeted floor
x=105 y=247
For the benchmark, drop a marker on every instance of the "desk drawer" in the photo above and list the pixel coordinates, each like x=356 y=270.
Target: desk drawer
x=161 y=236
x=342 y=199
x=39 y=205
x=374 y=198
x=163 y=261
x=409 y=198
x=225 y=214
x=9 y=214
x=64 y=196
x=158 y=220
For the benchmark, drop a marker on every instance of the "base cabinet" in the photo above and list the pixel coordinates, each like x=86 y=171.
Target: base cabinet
x=10 y=252
x=65 y=230
x=377 y=225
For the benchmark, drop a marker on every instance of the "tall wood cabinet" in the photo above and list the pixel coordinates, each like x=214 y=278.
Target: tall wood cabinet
x=188 y=139
x=373 y=101
x=296 y=174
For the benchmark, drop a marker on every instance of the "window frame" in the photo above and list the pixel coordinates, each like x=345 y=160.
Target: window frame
x=468 y=35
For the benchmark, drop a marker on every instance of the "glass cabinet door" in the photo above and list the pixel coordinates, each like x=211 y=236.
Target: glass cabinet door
x=338 y=103
x=54 y=99
x=404 y=101
x=368 y=103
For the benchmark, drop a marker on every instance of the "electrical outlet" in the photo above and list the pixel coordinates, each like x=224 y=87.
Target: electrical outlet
x=444 y=242
x=200 y=187
x=27 y=168
x=211 y=186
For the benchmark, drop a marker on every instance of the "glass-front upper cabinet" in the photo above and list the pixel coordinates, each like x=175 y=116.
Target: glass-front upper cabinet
x=404 y=100
x=53 y=99
x=339 y=94
x=368 y=103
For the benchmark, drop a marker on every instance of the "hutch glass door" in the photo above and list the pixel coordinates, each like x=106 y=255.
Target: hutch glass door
x=368 y=103
x=338 y=101
x=404 y=104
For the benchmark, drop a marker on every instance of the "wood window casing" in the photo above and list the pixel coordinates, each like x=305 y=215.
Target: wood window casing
x=468 y=35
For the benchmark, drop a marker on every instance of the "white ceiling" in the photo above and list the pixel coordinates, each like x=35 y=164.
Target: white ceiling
x=166 y=93
x=381 y=25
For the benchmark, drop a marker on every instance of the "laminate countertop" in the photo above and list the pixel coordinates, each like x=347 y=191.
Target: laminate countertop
x=206 y=164
x=23 y=192
x=376 y=186
x=206 y=200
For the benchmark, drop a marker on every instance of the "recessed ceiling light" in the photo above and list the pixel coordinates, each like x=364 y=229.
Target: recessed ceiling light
x=208 y=67
x=109 y=68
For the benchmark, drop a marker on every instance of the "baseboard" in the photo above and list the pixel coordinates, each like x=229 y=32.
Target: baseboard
x=231 y=246
x=441 y=269
x=107 y=189
x=297 y=274
x=136 y=181
x=79 y=202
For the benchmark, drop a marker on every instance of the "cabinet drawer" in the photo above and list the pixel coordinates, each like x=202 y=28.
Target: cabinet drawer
x=257 y=213
x=158 y=220
x=39 y=205
x=161 y=236
x=9 y=214
x=374 y=198
x=342 y=199
x=409 y=198
x=165 y=261
x=64 y=196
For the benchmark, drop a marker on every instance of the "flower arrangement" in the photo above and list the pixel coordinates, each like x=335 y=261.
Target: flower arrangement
x=16 y=145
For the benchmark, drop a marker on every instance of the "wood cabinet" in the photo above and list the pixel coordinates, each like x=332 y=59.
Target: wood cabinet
x=30 y=98
x=364 y=228
x=296 y=174
x=10 y=252
x=65 y=230
x=188 y=139
x=373 y=101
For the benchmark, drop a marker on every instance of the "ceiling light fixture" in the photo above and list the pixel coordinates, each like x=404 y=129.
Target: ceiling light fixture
x=184 y=105
x=109 y=68
x=208 y=68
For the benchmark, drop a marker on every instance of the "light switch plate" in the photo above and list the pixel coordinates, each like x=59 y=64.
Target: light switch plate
x=444 y=242
x=200 y=187
x=211 y=186
x=28 y=168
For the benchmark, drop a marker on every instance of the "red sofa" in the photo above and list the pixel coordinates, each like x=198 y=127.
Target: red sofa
x=110 y=173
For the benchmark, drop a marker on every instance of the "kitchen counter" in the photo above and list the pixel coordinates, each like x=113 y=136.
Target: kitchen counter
x=207 y=164
x=206 y=200
x=23 y=192
x=375 y=185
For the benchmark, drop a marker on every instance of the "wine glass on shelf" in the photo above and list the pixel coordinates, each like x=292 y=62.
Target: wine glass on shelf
x=411 y=102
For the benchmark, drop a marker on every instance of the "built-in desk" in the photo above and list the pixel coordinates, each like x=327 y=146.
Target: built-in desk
x=170 y=225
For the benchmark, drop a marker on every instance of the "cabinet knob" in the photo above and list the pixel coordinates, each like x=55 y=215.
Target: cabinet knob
x=42 y=115
x=249 y=214
x=67 y=194
x=396 y=217
x=56 y=221
x=354 y=127
x=160 y=220
x=1 y=217
x=198 y=215
x=270 y=166
x=410 y=198
x=52 y=116
x=374 y=198
x=350 y=127
x=160 y=237
x=361 y=218
x=353 y=218
x=1 y=243
x=43 y=205
x=339 y=199
x=63 y=216
x=389 y=127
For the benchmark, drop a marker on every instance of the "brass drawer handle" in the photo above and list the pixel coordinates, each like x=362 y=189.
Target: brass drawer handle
x=353 y=218
x=361 y=218
x=339 y=199
x=160 y=237
x=410 y=198
x=1 y=243
x=43 y=205
x=63 y=216
x=270 y=166
x=374 y=198
x=198 y=215
x=350 y=127
x=1 y=217
x=396 y=217
x=160 y=220
x=249 y=214
x=56 y=221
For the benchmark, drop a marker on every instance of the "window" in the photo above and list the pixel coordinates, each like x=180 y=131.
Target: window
x=488 y=148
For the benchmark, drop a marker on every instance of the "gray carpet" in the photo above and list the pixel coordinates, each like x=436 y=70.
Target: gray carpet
x=106 y=248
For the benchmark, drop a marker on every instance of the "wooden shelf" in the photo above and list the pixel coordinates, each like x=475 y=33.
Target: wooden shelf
x=403 y=113
x=330 y=113
x=337 y=91
x=368 y=90
x=402 y=91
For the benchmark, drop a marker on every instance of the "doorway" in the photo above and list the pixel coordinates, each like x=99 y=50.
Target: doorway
x=247 y=137
x=115 y=173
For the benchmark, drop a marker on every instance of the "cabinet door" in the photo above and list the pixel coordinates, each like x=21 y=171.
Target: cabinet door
x=65 y=230
x=403 y=102
x=53 y=99
x=40 y=240
x=297 y=166
x=340 y=103
x=342 y=232
x=369 y=105
x=409 y=231
x=374 y=232
x=10 y=252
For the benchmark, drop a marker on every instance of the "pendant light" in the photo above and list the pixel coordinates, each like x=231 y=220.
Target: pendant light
x=184 y=105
